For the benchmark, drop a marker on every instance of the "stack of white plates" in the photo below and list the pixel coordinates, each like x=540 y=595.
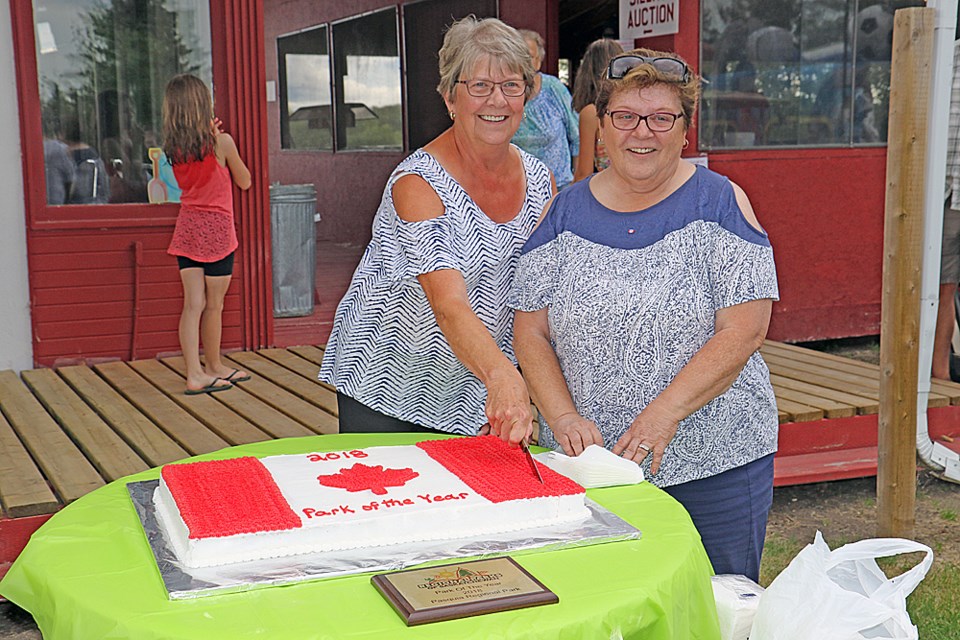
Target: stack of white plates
x=595 y=467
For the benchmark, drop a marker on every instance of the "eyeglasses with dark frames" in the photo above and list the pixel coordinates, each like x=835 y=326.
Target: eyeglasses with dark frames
x=674 y=69
x=483 y=88
x=659 y=122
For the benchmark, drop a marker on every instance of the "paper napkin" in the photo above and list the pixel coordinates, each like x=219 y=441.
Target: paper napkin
x=595 y=467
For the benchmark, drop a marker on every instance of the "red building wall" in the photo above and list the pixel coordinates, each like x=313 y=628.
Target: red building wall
x=823 y=210
x=99 y=294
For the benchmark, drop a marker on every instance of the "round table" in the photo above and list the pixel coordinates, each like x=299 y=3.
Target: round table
x=89 y=573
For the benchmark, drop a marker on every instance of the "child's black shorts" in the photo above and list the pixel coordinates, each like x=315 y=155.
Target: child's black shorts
x=222 y=267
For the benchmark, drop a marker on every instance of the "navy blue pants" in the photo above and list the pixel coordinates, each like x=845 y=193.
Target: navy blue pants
x=730 y=512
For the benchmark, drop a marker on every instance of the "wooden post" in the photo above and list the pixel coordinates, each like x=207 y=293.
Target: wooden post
x=902 y=249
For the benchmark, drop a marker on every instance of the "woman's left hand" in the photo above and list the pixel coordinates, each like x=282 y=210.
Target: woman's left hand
x=648 y=434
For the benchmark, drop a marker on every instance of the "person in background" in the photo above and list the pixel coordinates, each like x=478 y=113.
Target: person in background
x=92 y=183
x=950 y=251
x=642 y=299
x=59 y=169
x=549 y=126
x=206 y=164
x=422 y=340
x=593 y=154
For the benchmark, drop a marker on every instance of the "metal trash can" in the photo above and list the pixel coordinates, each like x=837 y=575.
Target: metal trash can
x=294 y=244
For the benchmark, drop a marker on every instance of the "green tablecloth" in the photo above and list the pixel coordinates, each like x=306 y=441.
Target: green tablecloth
x=88 y=573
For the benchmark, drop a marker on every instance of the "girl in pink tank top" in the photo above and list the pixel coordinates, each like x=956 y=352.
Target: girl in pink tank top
x=206 y=164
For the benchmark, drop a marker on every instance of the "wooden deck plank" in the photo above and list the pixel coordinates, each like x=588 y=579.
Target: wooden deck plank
x=819 y=378
x=146 y=438
x=218 y=417
x=254 y=410
x=864 y=405
x=187 y=431
x=23 y=491
x=311 y=353
x=842 y=380
x=854 y=374
x=295 y=383
x=830 y=408
x=62 y=462
x=108 y=452
x=310 y=416
x=945 y=388
x=798 y=411
x=307 y=370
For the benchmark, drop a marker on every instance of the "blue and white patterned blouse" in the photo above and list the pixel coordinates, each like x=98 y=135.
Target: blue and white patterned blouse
x=386 y=349
x=632 y=296
x=550 y=129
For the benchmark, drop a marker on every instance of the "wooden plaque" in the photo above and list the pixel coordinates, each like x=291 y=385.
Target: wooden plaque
x=461 y=589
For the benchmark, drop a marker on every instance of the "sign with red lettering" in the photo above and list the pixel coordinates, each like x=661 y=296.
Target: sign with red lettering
x=647 y=18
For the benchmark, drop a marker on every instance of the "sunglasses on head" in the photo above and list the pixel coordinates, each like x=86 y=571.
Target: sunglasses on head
x=671 y=67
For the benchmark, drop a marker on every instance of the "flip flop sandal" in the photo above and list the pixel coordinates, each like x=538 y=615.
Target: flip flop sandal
x=231 y=378
x=213 y=387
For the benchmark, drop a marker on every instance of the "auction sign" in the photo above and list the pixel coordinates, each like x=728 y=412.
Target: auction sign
x=647 y=18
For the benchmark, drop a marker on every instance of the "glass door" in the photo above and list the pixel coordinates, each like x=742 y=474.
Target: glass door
x=102 y=66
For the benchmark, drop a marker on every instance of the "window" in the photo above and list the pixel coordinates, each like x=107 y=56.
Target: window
x=102 y=66
x=305 y=106
x=796 y=73
x=424 y=24
x=364 y=83
x=366 y=63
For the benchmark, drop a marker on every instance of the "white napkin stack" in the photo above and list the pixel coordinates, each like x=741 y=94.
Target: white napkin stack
x=595 y=467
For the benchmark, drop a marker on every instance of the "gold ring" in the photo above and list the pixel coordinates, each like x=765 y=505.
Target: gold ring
x=644 y=447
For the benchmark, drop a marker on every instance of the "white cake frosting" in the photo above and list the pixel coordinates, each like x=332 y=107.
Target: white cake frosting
x=436 y=504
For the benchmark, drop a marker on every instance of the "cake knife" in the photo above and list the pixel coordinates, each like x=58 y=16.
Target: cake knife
x=533 y=465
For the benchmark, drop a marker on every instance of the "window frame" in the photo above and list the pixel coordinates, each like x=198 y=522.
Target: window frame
x=41 y=215
x=282 y=85
x=849 y=144
x=336 y=85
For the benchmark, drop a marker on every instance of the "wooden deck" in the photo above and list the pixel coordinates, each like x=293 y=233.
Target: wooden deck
x=67 y=431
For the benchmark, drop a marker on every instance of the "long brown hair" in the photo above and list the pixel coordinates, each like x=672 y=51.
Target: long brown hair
x=595 y=59
x=188 y=133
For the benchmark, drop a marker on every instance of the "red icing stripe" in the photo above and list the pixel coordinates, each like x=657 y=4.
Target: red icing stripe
x=226 y=497
x=496 y=471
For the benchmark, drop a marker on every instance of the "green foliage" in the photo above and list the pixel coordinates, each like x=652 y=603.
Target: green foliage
x=303 y=136
x=383 y=132
x=949 y=515
x=132 y=47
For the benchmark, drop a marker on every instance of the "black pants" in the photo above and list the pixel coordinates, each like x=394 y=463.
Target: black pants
x=356 y=417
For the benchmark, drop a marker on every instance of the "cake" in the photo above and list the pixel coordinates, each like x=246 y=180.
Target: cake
x=245 y=509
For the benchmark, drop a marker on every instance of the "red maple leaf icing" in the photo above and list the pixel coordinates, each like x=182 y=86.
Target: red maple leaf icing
x=360 y=477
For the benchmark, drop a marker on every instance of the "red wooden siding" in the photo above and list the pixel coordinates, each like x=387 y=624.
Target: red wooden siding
x=84 y=294
x=823 y=210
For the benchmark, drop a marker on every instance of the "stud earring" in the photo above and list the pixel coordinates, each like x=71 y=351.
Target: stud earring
x=452 y=115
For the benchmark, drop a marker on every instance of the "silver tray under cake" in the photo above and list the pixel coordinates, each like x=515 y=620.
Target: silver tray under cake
x=601 y=526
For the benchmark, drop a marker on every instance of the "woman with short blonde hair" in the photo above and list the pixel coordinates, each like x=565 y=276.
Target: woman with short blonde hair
x=422 y=340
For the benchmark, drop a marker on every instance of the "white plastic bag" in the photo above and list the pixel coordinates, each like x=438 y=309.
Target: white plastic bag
x=737 y=599
x=842 y=594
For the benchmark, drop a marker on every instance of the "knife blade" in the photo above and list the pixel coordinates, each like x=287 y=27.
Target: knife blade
x=533 y=464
